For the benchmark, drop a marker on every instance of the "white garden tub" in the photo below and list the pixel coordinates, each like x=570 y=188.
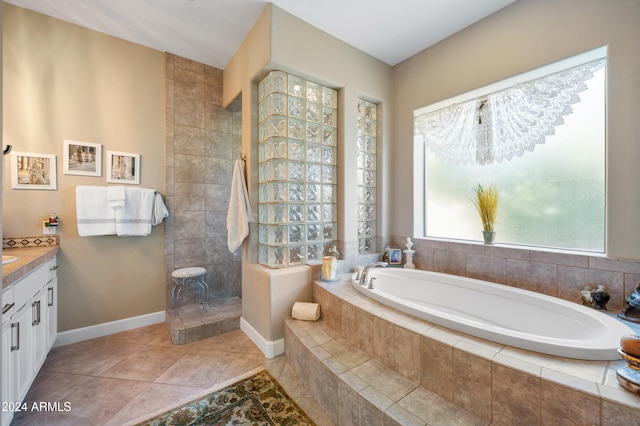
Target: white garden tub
x=503 y=314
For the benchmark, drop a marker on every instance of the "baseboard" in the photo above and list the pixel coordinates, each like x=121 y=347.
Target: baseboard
x=104 y=329
x=270 y=348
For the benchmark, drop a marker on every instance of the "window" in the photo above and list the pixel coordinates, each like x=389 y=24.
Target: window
x=539 y=138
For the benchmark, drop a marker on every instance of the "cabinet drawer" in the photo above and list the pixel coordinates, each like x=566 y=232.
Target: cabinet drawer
x=28 y=286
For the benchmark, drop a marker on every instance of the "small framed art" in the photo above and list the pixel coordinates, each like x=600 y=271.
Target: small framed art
x=33 y=171
x=82 y=158
x=395 y=256
x=123 y=167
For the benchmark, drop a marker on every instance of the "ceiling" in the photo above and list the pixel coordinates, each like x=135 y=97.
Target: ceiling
x=210 y=31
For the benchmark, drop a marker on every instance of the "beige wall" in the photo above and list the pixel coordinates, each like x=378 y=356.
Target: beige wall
x=62 y=81
x=523 y=36
x=280 y=41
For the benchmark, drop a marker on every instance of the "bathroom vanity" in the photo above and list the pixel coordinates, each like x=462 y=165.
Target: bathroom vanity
x=29 y=321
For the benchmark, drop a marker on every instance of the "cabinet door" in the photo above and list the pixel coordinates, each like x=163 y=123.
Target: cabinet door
x=9 y=393
x=23 y=364
x=52 y=312
x=39 y=329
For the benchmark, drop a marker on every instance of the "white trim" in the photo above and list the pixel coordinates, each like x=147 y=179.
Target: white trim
x=104 y=329
x=270 y=348
x=582 y=58
x=419 y=187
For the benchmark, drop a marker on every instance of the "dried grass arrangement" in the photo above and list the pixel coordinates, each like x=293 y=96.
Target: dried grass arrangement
x=487 y=202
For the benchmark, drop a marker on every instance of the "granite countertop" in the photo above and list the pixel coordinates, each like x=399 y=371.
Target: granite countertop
x=29 y=258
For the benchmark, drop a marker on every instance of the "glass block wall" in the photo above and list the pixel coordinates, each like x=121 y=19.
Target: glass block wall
x=297 y=170
x=367 y=131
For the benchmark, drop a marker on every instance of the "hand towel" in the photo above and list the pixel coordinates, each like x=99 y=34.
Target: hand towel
x=115 y=196
x=306 y=311
x=94 y=216
x=159 y=210
x=239 y=214
x=134 y=218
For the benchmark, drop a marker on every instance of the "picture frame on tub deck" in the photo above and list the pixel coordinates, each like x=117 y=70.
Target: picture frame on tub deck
x=81 y=158
x=123 y=167
x=395 y=256
x=33 y=171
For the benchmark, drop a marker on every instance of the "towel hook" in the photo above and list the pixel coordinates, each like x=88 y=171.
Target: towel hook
x=7 y=150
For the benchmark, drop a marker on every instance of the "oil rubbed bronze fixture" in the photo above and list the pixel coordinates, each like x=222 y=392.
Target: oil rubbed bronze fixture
x=7 y=150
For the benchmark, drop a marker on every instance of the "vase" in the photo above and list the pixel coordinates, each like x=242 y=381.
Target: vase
x=488 y=236
x=329 y=264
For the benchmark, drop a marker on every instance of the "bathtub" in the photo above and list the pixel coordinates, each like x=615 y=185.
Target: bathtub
x=502 y=314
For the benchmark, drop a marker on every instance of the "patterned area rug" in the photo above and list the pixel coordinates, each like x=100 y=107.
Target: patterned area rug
x=256 y=400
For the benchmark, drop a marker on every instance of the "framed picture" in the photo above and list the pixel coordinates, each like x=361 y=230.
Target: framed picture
x=395 y=256
x=33 y=171
x=82 y=158
x=123 y=167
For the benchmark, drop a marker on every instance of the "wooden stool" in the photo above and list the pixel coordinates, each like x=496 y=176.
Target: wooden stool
x=190 y=275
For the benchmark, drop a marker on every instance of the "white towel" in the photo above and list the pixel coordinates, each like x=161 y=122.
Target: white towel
x=239 y=214
x=305 y=311
x=134 y=218
x=94 y=216
x=159 y=210
x=115 y=196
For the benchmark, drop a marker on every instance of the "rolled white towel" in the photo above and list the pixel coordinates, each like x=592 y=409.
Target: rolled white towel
x=306 y=311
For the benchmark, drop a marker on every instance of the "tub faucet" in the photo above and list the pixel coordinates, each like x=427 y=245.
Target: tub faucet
x=370 y=286
x=365 y=272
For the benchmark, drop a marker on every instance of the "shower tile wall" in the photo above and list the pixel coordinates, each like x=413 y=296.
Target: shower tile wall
x=202 y=142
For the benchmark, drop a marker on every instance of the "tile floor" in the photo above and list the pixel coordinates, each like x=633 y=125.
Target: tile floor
x=128 y=376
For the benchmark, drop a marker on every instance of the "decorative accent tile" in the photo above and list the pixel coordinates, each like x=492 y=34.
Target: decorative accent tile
x=22 y=242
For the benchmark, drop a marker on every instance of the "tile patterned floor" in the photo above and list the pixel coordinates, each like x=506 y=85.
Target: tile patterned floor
x=123 y=377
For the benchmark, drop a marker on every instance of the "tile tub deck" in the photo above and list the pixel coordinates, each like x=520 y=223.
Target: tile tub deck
x=495 y=383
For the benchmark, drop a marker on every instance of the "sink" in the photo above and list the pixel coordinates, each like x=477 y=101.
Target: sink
x=8 y=259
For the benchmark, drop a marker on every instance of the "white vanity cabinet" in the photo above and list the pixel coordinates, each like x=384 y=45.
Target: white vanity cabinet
x=21 y=346
x=39 y=329
x=51 y=308
x=29 y=329
x=8 y=356
x=16 y=360
x=8 y=387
